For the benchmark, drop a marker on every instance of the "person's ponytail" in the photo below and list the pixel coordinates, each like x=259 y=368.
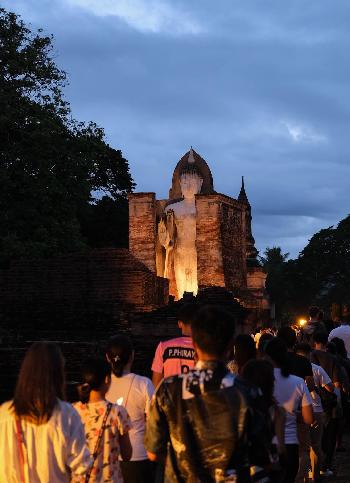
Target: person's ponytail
x=119 y=351
x=117 y=365
x=84 y=392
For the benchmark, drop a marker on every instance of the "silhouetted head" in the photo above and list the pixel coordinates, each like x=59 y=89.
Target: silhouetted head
x=276 y=349
x=340 y=347
x=96 y=376
x=244 y=349
x=314 y=312
x=320 y=337
x=288 y=335
x=213 y=331
x=185 y=317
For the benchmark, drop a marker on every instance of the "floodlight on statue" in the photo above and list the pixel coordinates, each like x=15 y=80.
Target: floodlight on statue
x=302 y=322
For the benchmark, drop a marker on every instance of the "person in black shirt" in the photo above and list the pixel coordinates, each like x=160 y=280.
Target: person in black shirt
x=200 y=419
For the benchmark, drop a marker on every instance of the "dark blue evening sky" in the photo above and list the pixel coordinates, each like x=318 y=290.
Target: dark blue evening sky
x=259 y=88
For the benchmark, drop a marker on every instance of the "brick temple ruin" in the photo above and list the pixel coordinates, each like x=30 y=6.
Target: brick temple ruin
x=225 y=246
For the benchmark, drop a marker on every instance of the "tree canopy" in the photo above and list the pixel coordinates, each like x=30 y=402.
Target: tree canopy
x=320 y=275
x=57 y=174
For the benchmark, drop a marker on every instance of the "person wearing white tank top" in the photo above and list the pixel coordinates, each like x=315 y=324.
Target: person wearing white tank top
x=134 y=392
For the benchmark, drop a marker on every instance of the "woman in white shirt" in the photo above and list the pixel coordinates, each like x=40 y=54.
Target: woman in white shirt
x=292 y=394
x=41 y=436
x=134 y=392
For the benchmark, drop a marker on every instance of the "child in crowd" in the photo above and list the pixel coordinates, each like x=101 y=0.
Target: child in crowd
x=106 y=424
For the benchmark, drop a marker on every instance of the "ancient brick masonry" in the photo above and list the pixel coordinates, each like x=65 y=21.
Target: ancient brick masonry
x=79 y=301
x=220 y=242
x=99 y=276
x=142 y=228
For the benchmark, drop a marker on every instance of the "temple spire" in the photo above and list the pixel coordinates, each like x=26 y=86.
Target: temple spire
x=191 y=159
x=242 y=197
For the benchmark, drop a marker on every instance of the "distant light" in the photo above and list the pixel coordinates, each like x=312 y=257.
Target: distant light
x=302 y=322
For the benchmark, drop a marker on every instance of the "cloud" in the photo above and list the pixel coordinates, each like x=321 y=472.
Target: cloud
x=154 y=16
x=301 y=133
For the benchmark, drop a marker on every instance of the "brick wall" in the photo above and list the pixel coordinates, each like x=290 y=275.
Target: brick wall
x=208 y=242
x=233 y=244
x=220 y=242
x=79 y=301
x=142 y=228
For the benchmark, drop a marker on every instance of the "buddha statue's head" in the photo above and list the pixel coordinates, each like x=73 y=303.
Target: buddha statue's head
x=190 y=182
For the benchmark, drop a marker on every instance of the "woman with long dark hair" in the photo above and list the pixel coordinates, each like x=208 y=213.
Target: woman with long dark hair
x=291 y=393
x=134 y=392
x=41 y=436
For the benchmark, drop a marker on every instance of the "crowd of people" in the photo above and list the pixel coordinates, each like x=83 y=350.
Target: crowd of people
x=263 y=407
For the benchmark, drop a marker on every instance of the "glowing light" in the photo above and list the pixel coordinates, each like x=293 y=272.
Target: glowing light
x=302 y=322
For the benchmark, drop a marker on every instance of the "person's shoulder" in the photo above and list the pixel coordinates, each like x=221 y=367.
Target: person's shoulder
x=297 y=380
x=67 y=409
x=160 y=345
x=78 y=406
x=168 y=386
x=181 y=340
x=143 y=381
x=6 y=411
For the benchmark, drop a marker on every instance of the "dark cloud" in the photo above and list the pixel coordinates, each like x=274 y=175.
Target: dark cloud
x=259 y=89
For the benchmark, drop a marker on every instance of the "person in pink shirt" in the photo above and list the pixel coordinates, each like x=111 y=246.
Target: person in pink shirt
x=176 y=356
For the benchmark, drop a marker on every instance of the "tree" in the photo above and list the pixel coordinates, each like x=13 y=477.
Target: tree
x=52 y=167
x=105 y=223
x=320 y=275
x=323 y=267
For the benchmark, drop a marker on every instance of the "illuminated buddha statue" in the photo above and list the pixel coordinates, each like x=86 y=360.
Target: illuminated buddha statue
x=177 y=233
